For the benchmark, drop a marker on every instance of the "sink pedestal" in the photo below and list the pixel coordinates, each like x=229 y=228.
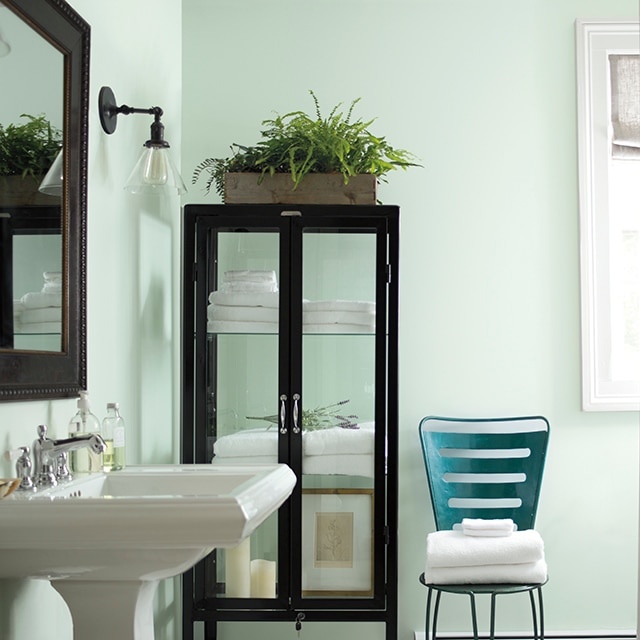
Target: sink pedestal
x=106 y=610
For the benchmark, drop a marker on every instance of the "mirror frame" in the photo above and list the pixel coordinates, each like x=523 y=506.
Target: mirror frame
x=32 y=375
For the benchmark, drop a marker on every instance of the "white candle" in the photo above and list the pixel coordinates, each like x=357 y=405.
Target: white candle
x=263 y=579
x=238 y=571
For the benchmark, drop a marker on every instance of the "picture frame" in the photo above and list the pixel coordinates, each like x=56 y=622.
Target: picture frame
x=337 y=542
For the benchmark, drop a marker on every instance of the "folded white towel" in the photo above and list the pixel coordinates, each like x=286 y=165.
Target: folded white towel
x=332 y=441
x=242 y=314
x=52 y=276
x=337 y=440
x=525 y=573
x=39 y=327
x=37 y=300
x=232 y=326
x=239 y=299
x=454 y=549
x=249 y=275
x=248 y=287
x=339 y=305
x=338 y=328
x=45 y=314
x=339 y=317
x=52 y=287
x=495 y=527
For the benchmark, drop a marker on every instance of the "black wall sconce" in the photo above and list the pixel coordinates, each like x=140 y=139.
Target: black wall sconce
x=154 y=173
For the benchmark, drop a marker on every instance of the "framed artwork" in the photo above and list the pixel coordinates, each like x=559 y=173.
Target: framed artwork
x=337 y=542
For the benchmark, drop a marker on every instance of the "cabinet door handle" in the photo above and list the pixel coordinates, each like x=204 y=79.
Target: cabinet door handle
x=283 y=414
x=296 y=412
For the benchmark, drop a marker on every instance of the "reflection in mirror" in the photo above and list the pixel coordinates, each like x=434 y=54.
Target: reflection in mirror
x=44 y=54
x=31 y=121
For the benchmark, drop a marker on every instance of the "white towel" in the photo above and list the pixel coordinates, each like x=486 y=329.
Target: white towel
x=331 y=441
x=46 y=314
x=39 y=327
x=248 y=287
x=228 y=326
x=271 y=300
x=495 y=527
x=249 y=275
x=38 y=300
x=339 y=305
x=52 y=287
x=339 y=317
x=52 y=276
x=337 y=440
x=242 y=314
x=454 y=549
x=338 y=328
x=525 y=573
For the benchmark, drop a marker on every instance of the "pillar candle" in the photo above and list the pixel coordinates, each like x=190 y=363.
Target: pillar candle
x=263 y=579
x=238 y=570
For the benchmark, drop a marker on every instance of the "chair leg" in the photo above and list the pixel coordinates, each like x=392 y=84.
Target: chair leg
x=534 y=616
x=435 y=615
x=427 y=619
x=474 y=617
x=492 y=619
x=541 y=613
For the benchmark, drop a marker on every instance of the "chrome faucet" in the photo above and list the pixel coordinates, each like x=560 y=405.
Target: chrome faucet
x=50 y=456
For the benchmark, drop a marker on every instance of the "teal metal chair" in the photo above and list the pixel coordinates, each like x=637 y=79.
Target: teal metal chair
x=484 y=468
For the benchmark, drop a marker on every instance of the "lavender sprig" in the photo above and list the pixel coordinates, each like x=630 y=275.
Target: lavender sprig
x=319 y=418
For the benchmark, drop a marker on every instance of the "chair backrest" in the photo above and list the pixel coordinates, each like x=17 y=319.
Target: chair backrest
x=484 y=467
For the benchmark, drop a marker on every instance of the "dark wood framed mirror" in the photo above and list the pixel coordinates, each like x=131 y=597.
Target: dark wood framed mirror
x=56 y=35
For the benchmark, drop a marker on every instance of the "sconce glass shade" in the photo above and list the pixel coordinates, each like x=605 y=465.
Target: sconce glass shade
x=155 y=173
x=52 y=182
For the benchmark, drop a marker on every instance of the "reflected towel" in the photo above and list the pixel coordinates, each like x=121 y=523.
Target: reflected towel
x=38 y=300
x=39 y=327
x=338 y=328
x=248 y=287
x=454 y=549
x=271 y=300
x=46 y=314
x=242 y=314
x=249 y=275
x=52 y=276
x=525 y=573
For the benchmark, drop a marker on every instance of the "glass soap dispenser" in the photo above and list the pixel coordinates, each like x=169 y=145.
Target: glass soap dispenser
x=84 y=423
x=113 y=435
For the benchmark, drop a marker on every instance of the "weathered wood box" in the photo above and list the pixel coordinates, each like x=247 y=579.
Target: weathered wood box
x=315 y=188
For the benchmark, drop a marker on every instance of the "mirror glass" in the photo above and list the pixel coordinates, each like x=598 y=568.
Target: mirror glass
x=31 y=122
x=43 y=131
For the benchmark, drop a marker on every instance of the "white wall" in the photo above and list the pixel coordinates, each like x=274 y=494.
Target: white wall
x=484 y=93
x=133 y=294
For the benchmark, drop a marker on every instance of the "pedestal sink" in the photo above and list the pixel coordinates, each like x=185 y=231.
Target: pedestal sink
x=105 y=540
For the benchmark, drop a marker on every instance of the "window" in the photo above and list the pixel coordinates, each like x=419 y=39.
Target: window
x=609 y=175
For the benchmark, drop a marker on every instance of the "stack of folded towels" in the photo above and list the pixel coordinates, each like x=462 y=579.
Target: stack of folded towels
x=485 y=551
x=40 y=311
x=247 y=301
x=338 y=316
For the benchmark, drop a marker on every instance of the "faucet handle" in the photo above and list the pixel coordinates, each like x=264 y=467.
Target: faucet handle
x=42 y=431
x=23 y=466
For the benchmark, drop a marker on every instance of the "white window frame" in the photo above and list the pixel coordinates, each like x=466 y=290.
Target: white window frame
x=595 y=41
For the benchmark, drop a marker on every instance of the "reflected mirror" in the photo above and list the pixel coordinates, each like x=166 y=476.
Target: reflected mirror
x=44 y=65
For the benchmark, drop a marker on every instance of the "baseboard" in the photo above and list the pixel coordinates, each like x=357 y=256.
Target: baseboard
x=629 y=634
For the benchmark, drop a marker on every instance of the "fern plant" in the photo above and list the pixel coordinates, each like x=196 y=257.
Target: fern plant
x=29 y=148
x=300 y=144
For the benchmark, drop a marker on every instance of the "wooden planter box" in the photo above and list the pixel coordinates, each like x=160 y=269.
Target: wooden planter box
x=315 y=188
x=16 y=191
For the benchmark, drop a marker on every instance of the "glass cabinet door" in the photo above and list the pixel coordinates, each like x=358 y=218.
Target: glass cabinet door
x=243 y=294
x=342 y=347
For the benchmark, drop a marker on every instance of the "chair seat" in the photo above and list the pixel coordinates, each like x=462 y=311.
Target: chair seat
x=483 y=588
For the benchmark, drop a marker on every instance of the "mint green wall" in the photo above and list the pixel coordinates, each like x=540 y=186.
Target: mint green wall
x=133 y=284
x=484 y=93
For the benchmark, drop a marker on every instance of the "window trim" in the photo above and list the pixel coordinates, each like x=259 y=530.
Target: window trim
x=595 y=40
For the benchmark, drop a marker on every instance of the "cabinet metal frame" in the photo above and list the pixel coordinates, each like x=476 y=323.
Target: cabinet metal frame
x=199 y=226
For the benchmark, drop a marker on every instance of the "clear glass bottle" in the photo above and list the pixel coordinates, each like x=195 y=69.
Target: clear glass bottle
x=84 y=423
x=113 y=435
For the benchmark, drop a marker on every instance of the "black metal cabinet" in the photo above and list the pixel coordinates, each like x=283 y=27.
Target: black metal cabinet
x=290 y=333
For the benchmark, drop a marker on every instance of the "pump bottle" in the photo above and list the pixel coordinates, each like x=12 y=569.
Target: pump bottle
x=84 y=423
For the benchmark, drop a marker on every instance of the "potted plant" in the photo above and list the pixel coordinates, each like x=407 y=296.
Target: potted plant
x=27 y=151
x=303 y=159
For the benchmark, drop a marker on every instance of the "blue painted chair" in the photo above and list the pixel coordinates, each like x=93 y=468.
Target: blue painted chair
x=484 y=468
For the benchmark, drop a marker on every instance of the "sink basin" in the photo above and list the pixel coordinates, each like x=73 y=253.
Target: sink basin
x=115 y=535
